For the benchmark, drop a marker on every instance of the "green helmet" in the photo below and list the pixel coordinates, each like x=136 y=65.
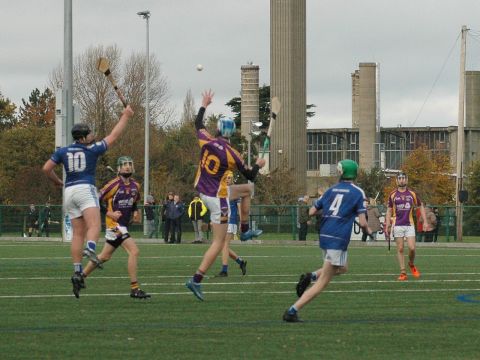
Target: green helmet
x=123 y=160
x=347 y=169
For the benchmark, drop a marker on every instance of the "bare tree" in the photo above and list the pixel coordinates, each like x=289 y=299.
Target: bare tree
x=96 y=98
x=189 y=110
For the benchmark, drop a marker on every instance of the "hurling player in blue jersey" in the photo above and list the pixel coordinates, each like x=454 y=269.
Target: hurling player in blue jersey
x=80 y=197
x=232 y=228
x=340 y=205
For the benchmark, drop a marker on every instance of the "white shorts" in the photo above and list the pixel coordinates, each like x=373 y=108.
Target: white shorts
x=80 y=197
x=402 y=231
x=232 y=229
x=335 y=257
x=219 y=208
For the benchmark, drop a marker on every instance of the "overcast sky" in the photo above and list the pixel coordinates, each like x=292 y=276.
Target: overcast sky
x=412 y=40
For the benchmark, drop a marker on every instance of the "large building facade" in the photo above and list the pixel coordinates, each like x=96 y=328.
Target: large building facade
x=326 y=147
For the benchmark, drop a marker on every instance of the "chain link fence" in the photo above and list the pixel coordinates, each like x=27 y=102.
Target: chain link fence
x=277 y=223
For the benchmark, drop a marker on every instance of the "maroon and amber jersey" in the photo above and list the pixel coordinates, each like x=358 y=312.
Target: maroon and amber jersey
x=216 y=157
x=122 y=197
x=402 y=205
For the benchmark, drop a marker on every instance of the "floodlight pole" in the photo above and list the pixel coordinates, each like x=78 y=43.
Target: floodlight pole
x=67 y=95
x=146 y=183
x=460 y=138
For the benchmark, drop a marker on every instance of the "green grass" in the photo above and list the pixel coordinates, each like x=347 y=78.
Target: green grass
x=364 y=314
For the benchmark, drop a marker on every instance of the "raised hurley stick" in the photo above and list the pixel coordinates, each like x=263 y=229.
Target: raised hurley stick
x=104 y=67
x=275 y=108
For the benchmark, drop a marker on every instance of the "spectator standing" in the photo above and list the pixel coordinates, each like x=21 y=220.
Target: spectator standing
x=167 y=222
x=420 y=232
x=32 y=220
x=432 y=222
x=439 y=224
x=46 y=218
x=303 y=218
x=175 y=211
x=196 y=212
x=318 y=215
x=149 y=209
x=373 y=219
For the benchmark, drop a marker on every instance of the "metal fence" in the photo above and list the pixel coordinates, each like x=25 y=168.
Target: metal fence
x=277 y=222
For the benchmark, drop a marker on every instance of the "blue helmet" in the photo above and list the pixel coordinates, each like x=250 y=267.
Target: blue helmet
x=226 y=127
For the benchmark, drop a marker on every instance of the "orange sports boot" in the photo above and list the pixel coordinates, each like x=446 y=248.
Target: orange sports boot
x=403 y=277
x=414 y=270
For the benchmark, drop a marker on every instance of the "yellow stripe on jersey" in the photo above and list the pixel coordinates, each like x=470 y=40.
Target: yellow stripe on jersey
x=113 y=190
x=392 y=199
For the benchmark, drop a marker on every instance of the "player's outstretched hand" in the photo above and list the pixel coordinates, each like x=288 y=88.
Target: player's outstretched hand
x=128 y=111
x=207 y=97
x=261 y=162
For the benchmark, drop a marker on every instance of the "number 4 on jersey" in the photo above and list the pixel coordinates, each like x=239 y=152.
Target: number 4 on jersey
x=337 y=202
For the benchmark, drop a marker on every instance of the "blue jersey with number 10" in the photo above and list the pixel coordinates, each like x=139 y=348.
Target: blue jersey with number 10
x=79 y=161
x=340 y=204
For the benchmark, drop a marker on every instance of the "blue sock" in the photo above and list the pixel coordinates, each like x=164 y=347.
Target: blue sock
x=224 y=268
x=77 y=267
x=91 y=245
x=292 y=310
x=239 y=260
x=314 y=276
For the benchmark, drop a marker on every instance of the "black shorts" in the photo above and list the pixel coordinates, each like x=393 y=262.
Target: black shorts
x=119 y=240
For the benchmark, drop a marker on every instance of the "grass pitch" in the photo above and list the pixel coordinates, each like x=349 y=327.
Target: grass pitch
x=365 y=314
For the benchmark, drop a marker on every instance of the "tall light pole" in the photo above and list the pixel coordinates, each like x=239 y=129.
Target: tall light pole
x=146 y=184
x=460 y=138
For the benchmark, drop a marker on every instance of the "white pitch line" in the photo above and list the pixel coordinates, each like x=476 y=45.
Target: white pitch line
x=246 y=256
x=185 y=276
x=333 y=282
x=39 y=296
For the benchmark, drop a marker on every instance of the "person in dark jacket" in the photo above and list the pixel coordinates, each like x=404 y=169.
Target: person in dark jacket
x=149 y=209
x=167 y=222
x=175 y=211
x=46 y=218
x=303 y=218
x=32 y=220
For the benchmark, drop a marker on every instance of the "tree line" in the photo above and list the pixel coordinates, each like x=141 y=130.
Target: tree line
x=27 y=139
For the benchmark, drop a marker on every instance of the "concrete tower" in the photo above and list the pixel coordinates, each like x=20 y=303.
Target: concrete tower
x=288 y=83
x=250 y=97
x=472 y=98
x=367 y=116
x=355 y=100
x=249 y=103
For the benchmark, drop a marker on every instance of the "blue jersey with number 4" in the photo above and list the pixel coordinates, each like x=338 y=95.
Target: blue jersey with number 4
x=341 y=204
x=79 y=161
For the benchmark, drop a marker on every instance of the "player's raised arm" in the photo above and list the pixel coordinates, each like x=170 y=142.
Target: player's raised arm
x=207 y=97
x=119 y=127
x=251 y=173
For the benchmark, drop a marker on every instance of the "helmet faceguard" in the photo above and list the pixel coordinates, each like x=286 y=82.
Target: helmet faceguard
x=347 y=169
x=402 y=179
x=226 y=127
x=125 y=166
